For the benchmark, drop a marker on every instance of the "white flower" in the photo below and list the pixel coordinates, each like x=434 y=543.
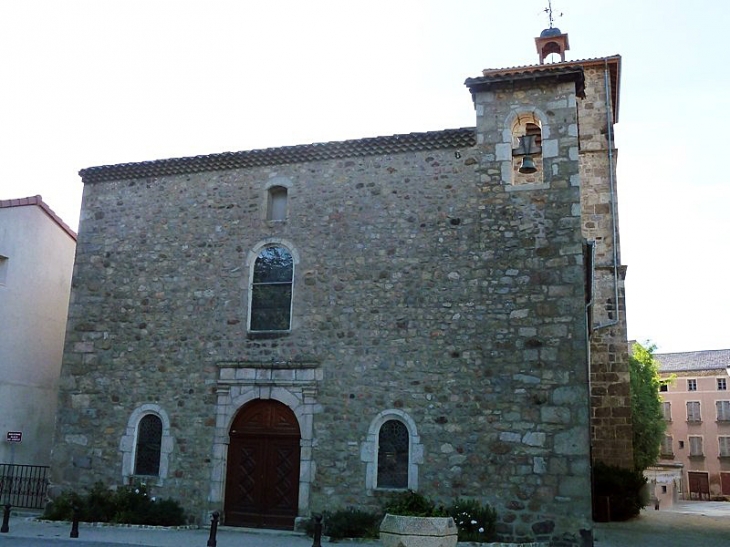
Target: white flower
x=481 y=530
x=473 y=522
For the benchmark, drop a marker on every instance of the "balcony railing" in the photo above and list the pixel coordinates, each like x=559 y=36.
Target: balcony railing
x=23 y=485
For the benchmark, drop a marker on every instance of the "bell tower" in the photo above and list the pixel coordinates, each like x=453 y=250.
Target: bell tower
x=551 y=40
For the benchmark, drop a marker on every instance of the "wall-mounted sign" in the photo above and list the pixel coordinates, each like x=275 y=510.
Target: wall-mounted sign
x=14 y=436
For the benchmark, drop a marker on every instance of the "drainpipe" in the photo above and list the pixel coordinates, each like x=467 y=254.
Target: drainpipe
x=612 y=191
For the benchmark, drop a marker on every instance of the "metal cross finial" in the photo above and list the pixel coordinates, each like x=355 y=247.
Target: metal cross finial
x=549 y=11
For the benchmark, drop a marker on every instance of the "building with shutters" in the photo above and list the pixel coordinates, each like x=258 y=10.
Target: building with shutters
x=696 y=406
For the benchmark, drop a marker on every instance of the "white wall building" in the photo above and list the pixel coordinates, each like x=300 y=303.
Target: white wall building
x=36 y=263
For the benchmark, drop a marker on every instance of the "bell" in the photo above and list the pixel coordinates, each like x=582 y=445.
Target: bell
x=527 y=166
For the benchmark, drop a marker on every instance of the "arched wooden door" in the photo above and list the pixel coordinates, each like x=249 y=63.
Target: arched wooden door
x=262 y=481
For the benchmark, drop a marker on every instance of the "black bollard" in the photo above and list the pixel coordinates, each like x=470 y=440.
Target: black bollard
x=317 y=531
x=75 y=524
x=213 y=529
x=6 y=519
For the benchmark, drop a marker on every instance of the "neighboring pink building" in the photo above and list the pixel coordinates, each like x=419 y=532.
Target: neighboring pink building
x=697 y=410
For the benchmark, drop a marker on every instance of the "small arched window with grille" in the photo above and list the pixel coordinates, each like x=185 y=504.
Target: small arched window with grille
x=149 y=446
x=393 y=451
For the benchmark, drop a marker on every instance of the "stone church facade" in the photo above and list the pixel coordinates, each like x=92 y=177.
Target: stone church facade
x=277 y=332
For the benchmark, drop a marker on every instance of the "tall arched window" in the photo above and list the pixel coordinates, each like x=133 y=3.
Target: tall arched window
x=393 y=451
x=271 y=290
x=149 y=446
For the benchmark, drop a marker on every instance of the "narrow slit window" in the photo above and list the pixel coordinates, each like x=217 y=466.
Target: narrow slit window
x=277 y=203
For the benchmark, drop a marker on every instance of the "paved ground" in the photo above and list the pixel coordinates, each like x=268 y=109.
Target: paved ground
x=689 y=524
x=27 y=532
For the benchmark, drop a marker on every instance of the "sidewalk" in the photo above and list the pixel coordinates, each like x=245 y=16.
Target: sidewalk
x=24 y=526
x=686 y=524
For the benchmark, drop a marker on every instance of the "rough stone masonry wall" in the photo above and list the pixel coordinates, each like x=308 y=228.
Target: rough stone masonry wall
x=610 y=388
x=538 y=235
x=423 y=284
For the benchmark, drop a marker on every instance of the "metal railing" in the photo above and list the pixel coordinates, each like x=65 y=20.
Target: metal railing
x=23 y=485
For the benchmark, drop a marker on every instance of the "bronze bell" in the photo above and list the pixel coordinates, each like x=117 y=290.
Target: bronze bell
x=527 y=166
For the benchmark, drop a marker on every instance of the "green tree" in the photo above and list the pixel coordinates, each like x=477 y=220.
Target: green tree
x=646 y=406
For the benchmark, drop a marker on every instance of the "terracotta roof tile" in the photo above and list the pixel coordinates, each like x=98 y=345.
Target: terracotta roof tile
x=694 y=360
x=395 y=144
x=38 y=200
x=561 y=71
x=595 y=61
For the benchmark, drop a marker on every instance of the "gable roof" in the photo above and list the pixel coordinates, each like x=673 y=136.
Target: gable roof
x=718 y=359
x=395 y=144
x=38 y=201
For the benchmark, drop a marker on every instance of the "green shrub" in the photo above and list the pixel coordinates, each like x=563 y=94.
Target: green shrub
x=126 y=505
x=622 y=488
x=166 y=512
x=98 y=505
x=475 y=522
x=61 y=508
x=348 y=523
x=413 y=504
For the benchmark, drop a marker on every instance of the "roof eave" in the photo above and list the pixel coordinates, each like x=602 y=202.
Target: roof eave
x=394 y=144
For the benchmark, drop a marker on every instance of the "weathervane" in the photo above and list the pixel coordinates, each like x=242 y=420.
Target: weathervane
x=549 y=11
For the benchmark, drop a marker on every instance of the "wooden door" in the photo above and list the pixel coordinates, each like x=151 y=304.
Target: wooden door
x=699 y=486
x=262 y=481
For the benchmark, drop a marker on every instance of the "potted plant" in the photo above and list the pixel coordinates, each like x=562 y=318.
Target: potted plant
x=412 y=520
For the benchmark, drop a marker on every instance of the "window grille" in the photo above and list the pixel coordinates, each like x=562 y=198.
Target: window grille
x=691 y=385
x=393 y=447
x=721 y=384
x=149 y=443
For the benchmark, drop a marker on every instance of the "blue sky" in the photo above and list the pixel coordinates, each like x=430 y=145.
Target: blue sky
x=88 y=83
